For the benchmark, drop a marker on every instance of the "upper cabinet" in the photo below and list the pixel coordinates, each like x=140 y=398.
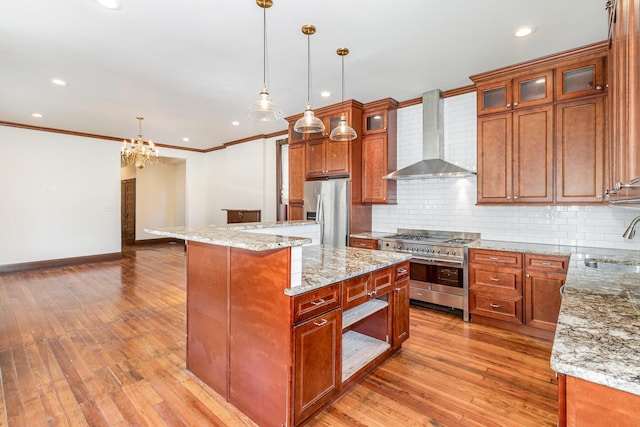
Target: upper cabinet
x=542 y=130
x=379 y=147
x=624 y=100
x=580 y=79
x=535 y=88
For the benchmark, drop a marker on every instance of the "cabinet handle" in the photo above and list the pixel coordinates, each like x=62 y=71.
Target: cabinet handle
x=494 y=305
x=515 y=103
x=319 y=302
x=508 y=197
x=528 y=276
x=494 y=258
x=398 y=289
x=599 y=87
x=508 y=105
x=515 y=197
x=402 y=271
x=493 y=279
x=372 y=293
x=362 y=244
x=599 y=196
x=545 y=263
x=320 y=323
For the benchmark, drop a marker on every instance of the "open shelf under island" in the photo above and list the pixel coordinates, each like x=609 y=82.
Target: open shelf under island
x=281 y=330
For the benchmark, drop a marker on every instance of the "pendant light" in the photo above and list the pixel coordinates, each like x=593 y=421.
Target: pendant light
x=309 y=123
x=343 y=132
x=264 y=109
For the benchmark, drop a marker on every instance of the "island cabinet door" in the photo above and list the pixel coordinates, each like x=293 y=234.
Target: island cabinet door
x=317 y=360
x=355 y=291
x=400 y=313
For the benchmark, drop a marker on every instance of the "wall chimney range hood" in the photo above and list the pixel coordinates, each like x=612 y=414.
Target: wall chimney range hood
x=433 y=165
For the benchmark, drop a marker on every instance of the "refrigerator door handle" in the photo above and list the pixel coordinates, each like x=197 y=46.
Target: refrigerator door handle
x=320 y=218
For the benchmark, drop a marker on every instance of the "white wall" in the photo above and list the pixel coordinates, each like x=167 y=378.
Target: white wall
x=242 y=176
x=160 y=195
x=449 y=204
x=59 y=196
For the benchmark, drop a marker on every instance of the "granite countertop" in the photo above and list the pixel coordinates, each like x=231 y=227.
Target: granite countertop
x=237 y=235
x=598 y=333
x=371 y=234
x=324 y=265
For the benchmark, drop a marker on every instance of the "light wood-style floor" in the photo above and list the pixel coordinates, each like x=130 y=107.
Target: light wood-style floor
x=104 y=344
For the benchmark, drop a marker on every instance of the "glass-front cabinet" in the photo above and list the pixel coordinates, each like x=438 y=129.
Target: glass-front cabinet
x=375 y=121
x=580 y=79
x=526 y=91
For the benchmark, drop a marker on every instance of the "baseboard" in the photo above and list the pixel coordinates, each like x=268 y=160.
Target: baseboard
x=158 y=241
x=58 y=263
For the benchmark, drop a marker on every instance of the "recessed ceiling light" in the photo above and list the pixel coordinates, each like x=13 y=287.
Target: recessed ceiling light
x=38 y=115
x=110 y=4
x=235 y=123
x=325 y=94
x=524 y=31
x=185 y=139
x=58 y=82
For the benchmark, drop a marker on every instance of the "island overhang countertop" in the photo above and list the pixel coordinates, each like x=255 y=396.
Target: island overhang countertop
x=321 y=265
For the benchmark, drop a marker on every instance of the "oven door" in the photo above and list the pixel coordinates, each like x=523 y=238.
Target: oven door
x=437 y=275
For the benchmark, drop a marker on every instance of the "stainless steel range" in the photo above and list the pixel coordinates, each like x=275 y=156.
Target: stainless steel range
x=439 y=265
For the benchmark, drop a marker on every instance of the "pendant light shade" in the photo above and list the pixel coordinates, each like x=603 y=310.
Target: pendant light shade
x=343 y=132
x=264 y=109
x=309 y=123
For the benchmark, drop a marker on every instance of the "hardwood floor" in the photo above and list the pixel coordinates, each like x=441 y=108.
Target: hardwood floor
x=104 y=344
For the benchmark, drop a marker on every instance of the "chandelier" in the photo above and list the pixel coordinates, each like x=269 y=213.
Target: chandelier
x=136 y=152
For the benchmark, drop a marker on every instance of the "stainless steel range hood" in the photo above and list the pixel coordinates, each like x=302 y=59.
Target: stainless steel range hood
x=433 y=165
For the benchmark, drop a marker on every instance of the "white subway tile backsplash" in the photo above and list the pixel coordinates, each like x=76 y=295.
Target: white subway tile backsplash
x=449 y=204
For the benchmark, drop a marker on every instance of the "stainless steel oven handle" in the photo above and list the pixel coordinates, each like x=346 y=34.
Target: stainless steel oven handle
x=436 y=261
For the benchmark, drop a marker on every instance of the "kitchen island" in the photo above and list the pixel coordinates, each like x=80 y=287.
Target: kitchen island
x=280 y=330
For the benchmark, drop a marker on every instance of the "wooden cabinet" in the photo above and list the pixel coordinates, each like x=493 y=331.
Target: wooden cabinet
x=400 y=305
x=499 y=296
x=544 y=276
x=623 y=112
x=495 y=285
x=359 y=242
x=580 y=79
x=534 y=88
x=296 y=181
x=585 y=403
x=515 y=157
x=360 y=289
x=379 y=149
x=242 y=215
x=327 y=158
x=580 y=145
x=317 y=364
x=521 y=159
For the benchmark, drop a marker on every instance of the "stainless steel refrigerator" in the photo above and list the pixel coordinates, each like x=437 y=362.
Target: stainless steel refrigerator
x=327 y=202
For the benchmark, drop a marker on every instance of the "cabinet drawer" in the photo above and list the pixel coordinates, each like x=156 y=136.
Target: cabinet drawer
x=401 y=271
x=495 y=279
x=546 y=263
x=503 y=307
x=355 y=291
x=507 y=259
x=316 y=303
x=382 y=281
x=357 y=242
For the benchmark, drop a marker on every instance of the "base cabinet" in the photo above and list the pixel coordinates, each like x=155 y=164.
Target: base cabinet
x=584 y=403
x=499 y=296
x=317 y=365
x=400 y=313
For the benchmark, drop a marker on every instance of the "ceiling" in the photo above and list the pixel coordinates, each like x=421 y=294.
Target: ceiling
x=192 y=67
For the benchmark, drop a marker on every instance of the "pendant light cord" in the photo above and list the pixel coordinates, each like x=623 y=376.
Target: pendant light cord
x=342 y=95
x=308 y=69
x=264 y=46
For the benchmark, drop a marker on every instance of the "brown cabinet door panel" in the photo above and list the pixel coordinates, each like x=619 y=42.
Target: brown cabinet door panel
x=296 y=172
x=499 y=258
x=533 y=155
x=494 y=159
x=543 y=299
x=580 y=151
x=315 y=303
x=357 y=242
x=400 y=313
x=382 y=281
x=317 y=368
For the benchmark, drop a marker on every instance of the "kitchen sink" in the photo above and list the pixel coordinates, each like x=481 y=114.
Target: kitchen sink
x=612 y=266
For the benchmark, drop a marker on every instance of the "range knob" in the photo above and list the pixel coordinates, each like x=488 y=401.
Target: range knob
x=453 y=253
x=438 y=251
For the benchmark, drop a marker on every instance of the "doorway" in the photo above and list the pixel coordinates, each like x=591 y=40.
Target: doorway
x=128 y=211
